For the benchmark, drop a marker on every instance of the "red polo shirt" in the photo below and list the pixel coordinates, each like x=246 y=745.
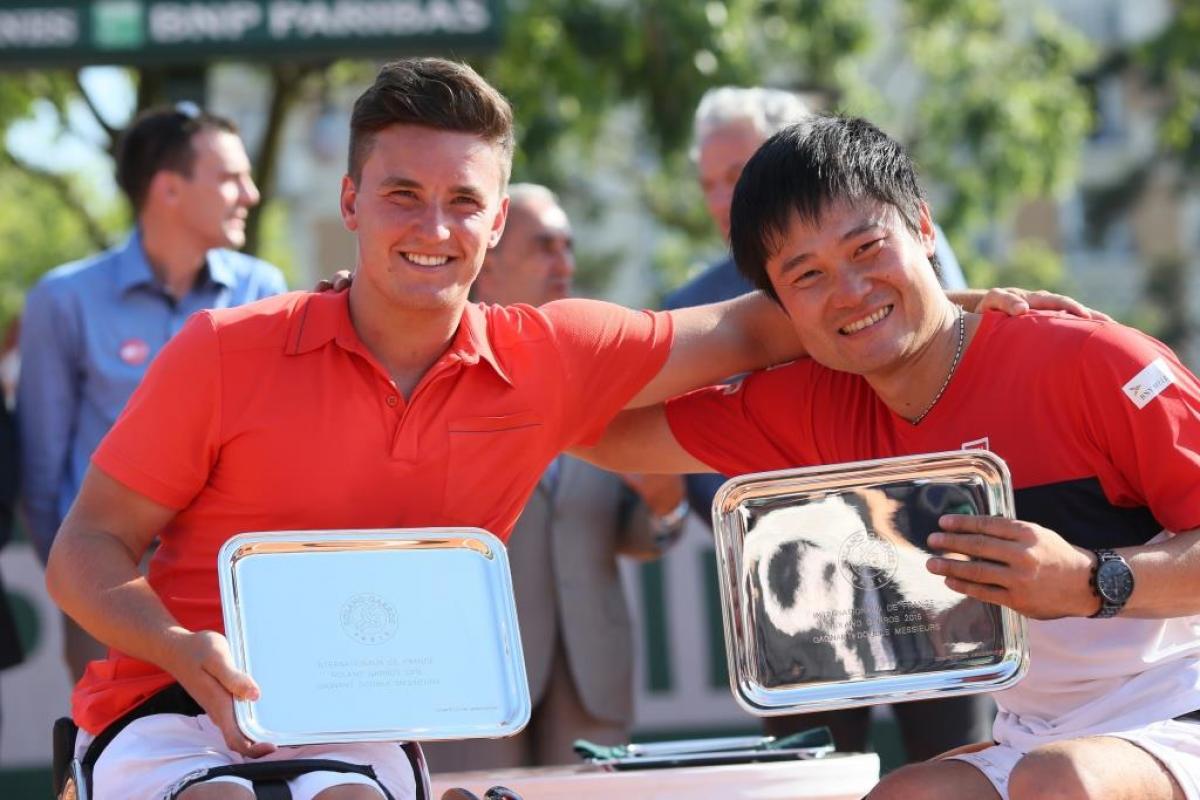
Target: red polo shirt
x=274 y=416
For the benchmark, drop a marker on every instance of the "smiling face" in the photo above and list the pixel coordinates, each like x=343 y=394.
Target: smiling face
x=859 y=288
x=722 y=154
x=212 y=202
x=425 y=210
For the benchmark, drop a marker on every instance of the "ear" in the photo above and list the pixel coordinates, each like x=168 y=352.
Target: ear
x=927 y=233
x=348 y=203
x=498 y=224
x=164 y=189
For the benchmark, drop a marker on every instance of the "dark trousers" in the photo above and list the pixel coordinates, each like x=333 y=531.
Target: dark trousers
x=927 y=727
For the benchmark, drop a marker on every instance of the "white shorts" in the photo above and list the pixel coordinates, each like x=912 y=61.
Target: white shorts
x=1176 y=744
x=154 y=755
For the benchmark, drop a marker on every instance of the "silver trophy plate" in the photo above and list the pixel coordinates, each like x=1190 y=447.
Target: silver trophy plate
x=825 y=596
x=373 y=635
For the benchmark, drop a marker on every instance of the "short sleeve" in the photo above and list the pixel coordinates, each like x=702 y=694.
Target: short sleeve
x=734 y=428
x=1142 y=408
x=167 y=439
x=607 y=354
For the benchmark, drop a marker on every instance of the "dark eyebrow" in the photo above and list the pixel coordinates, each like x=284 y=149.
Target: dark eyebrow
x=398 y=182
x=551 y=238
x=469 y=191
x=858 y=230
x=862 y=228
x=792 y=263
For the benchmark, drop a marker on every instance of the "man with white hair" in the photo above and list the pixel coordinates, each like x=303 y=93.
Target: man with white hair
x=730 y=124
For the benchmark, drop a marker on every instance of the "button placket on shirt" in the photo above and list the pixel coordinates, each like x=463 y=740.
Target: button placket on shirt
x=402 y=447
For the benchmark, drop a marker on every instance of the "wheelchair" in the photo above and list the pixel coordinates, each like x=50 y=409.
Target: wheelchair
x=72 y=777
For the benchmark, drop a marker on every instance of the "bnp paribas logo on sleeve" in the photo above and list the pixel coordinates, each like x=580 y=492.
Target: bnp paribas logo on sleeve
x=118 y=24
x=1149 y=383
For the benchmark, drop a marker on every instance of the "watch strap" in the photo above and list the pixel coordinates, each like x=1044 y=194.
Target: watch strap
x=667 y=527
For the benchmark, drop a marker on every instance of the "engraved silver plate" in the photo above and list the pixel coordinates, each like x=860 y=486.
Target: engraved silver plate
x=826 y=599
x=374 y=635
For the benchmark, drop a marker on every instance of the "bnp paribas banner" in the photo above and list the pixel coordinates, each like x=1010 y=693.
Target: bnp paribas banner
x=160 y=32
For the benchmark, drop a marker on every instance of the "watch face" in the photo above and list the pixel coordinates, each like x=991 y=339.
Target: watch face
x=1114 y=581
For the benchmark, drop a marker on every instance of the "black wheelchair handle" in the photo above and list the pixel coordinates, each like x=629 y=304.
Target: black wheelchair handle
x=501 y=793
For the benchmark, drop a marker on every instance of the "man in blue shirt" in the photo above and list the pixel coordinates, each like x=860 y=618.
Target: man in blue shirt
x=91 y=327
x=729 y=126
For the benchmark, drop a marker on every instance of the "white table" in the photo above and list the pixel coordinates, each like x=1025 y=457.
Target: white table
x=844 y=776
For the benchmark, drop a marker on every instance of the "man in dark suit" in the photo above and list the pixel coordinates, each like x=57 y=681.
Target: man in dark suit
x=575 y=625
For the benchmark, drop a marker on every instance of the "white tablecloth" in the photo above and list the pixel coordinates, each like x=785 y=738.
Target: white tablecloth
x=845 y=776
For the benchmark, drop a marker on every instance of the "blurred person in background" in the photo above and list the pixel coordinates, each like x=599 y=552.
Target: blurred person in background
x=730 y=124
x=90 y=328
x=575 y=626
x=10 y=644
x=10 y=363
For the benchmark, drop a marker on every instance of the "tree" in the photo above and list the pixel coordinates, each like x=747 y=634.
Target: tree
x=37 y=233
x=1001 y=115
x=1166 y=70
x=50 y=217
x=59 y=90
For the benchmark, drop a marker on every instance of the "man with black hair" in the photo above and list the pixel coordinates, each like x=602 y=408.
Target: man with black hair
x=1099 y=424
x=90 y=328
x=730 y=124
x=456 y=410
x=398 y=403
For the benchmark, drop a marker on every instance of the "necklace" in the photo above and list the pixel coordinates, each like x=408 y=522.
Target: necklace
x=962 y=337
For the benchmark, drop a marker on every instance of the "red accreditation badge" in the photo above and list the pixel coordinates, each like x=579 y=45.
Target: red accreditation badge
x=134 y=352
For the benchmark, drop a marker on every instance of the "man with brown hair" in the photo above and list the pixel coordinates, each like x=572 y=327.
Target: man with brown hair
x=395 y=404
x=91 y=327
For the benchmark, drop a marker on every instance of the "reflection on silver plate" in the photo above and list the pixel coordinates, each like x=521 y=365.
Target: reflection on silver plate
x=826 y=599
x=374 y=635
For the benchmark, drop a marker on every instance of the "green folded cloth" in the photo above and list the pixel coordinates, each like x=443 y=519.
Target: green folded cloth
x=598 y=752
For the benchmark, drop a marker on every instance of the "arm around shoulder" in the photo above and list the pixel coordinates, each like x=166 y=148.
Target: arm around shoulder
x=640 y=440
x=717 y=341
